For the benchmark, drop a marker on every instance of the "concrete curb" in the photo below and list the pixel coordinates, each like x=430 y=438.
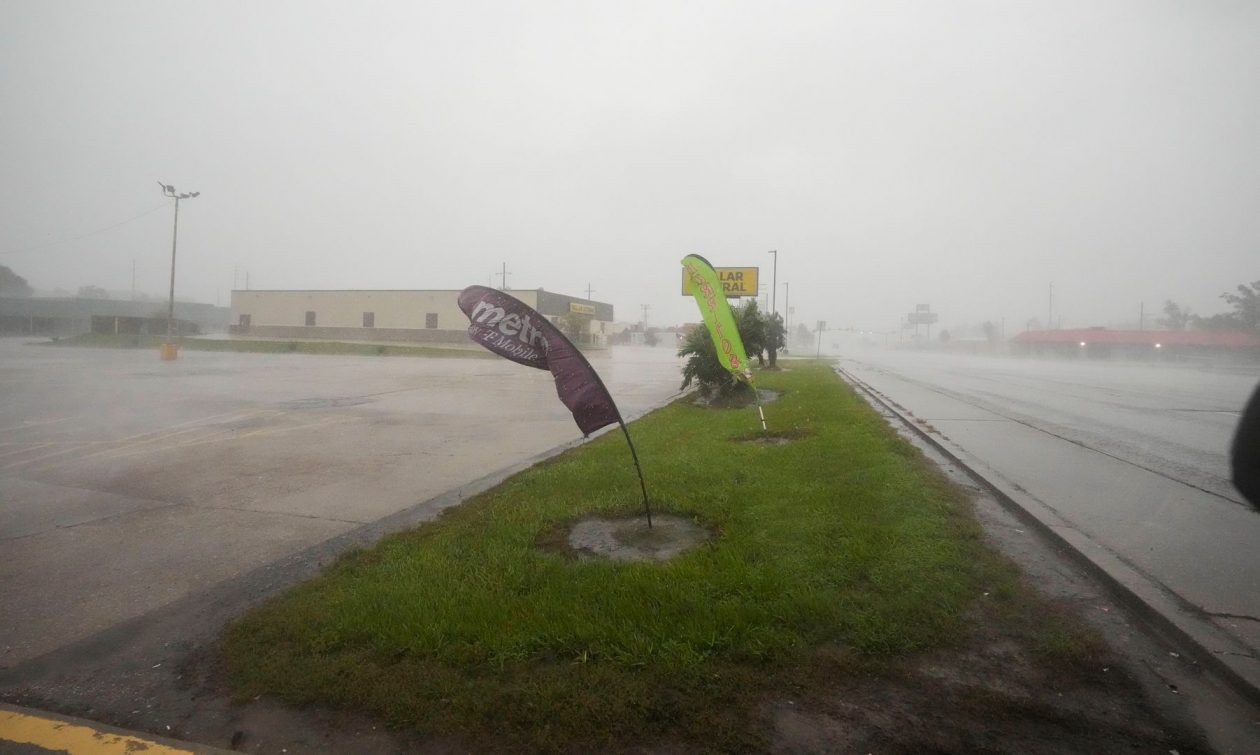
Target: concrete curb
x=55 y=732
x=1165 y=613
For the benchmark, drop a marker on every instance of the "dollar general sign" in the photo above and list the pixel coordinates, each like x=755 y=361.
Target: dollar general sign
x=736 y=281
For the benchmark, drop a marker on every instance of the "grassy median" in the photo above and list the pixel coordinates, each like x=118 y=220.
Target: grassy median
x=836 y=555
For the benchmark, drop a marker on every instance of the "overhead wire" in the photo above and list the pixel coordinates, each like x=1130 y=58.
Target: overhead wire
x=47 y=244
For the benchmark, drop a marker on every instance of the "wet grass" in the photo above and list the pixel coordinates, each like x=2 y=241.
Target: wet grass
x=836 y=556
x=124 y=341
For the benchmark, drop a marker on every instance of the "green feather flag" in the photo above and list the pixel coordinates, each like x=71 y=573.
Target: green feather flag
x=718 y=318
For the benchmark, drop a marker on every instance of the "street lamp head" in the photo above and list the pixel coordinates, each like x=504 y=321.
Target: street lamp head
x=196 y=194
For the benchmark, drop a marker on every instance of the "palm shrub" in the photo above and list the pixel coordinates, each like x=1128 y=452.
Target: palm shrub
x=752 y=329
x=703 y=367
x=776 y=337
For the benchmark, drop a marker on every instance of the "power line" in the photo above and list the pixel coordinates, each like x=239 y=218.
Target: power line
x=47 y=244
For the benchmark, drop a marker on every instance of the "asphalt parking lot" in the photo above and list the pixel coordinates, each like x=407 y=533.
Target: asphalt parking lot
x=127 y=483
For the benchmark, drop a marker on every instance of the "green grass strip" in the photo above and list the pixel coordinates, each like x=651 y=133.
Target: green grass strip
x=841 y=548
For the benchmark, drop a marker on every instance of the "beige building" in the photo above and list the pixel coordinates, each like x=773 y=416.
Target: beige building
x=393 y=315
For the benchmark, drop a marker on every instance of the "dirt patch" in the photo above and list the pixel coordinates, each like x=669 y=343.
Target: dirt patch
x=742 y=400
x=633 y=540
x=773 y=437
x=991 y=694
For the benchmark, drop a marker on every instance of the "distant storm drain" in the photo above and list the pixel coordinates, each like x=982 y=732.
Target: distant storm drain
x=632 y=540
x=324 y=403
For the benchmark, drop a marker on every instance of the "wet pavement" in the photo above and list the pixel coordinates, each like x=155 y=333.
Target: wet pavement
x=129 y=484
x=1126 y=461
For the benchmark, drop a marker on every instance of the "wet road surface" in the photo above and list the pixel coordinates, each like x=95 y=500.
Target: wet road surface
x=1133 y=457
x=127 y=483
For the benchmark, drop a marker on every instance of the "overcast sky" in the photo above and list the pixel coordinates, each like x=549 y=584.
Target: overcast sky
x=962 y=154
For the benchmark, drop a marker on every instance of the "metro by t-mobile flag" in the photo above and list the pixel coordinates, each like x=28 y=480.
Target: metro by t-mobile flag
x=512 y=329
x=709 y=294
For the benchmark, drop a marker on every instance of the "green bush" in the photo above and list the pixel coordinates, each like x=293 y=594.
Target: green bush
x=703 y=366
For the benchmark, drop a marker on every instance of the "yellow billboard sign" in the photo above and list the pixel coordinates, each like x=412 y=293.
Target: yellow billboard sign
x=736 y=281
x=581 y=309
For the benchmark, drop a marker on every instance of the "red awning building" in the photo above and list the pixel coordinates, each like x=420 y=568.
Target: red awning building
x=1104 y=343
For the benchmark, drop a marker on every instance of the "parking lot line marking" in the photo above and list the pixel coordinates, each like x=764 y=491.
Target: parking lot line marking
x=136 y=450
x=158 y=435
x=34 y=447
x=25 y=425
x=60 y=736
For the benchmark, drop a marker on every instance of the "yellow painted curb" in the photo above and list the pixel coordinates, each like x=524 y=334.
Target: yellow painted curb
x=60 y=736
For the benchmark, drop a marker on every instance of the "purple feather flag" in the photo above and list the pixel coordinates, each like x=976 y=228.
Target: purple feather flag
x=512 y=329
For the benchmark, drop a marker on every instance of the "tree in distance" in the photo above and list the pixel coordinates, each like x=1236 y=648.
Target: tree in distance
x=92 y=292
x=1175 y=317
x=804 y=336
x=575 y=326
x=12 y=284
x=1246 y=314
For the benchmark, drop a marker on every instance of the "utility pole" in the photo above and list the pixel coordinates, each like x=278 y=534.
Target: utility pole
x=645 y=308
x=775 y=281
x=1050 y=310
x=821 y=325
x=787 y=304
x=589 y=291
x=503 y=276
x=169 y=348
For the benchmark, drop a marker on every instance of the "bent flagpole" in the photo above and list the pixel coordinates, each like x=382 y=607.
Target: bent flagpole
x=509 y=327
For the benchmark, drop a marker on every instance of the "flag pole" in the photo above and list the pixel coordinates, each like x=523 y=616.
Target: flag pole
x=620 y=421
x=634 y=455
x=757 y=400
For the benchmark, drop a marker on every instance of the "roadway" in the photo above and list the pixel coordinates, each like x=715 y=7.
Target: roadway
x=128 y=484
x=1128 y=459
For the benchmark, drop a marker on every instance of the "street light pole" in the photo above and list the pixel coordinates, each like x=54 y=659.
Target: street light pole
x=787 y=304
x=775 y=282
x=170 y=307
x=168 y=348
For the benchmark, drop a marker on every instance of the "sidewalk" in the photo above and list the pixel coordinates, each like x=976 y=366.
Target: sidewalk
x=1186 y=558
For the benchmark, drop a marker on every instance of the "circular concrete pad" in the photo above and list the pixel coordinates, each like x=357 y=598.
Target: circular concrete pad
x=632 y=540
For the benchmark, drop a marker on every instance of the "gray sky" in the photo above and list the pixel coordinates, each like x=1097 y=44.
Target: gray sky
x=964 y=154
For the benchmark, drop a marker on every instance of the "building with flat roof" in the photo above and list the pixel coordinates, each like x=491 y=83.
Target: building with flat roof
x=413 y=316
x=72 y=316
x=1104 y=343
